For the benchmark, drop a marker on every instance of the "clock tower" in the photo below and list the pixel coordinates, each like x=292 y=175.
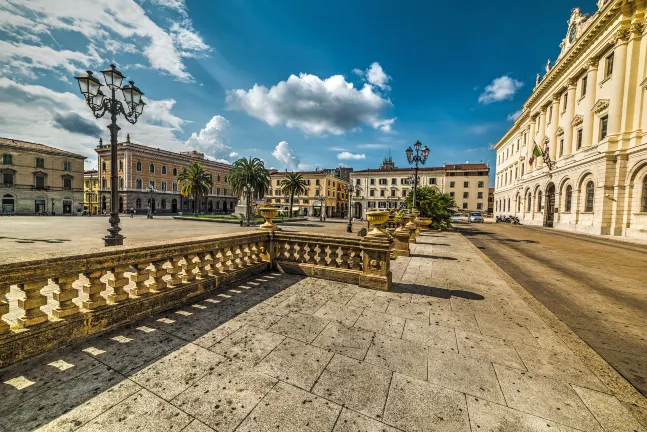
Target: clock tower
x=576 y=26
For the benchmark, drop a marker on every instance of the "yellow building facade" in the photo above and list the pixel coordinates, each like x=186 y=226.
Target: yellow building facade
x=91 y=192
x=324 y=192
x=39 y=179
x=576 y=158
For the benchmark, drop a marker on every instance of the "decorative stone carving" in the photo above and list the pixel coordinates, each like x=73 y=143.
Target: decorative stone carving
x=600 y=106
x=619 y=37
x=537 y=80
x=577 y=120
x=548 y=66
x=560 y=131
x=4 y=309
x=593 y=63
x=545 y=141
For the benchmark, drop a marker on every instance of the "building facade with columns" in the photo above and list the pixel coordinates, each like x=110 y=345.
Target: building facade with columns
x=388 y=186
x=148 y=177
x=576 y=158
x=39 y=179
x=325 y=191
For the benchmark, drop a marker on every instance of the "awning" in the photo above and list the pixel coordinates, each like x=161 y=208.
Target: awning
x=295 y=208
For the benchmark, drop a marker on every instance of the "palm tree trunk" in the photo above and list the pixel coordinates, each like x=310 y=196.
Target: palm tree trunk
x=291 y=205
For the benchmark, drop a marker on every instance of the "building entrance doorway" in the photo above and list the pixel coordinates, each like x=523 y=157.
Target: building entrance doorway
x=174 y=206
x=67 y=207
x=8 y=205
x=39 y=206
x=549 y=214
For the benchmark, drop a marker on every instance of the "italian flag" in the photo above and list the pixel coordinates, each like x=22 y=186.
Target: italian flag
x=536 y=151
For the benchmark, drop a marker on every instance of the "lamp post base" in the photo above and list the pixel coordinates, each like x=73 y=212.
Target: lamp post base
x=117 y=240
x=349 y=227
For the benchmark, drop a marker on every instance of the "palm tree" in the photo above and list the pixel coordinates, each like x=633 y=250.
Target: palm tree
x=249 y=172
x=196 y=183
x=293 y=184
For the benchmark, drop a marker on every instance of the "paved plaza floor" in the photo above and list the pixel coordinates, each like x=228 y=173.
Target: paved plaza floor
x=26 y=235
x=452 y=347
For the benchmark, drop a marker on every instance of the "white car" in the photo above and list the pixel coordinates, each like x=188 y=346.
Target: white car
x=475 y=217
x=457 y=218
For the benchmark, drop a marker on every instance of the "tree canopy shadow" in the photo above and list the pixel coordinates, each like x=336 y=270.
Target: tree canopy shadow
x=443 y=293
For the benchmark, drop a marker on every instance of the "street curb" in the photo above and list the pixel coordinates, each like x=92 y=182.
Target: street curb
x=626 y=393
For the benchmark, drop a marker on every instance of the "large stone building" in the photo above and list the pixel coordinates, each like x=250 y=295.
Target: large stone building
x=91 y=192
x=39 y=179
x=587 y=119
x=388 y=186
x=148 y=178
x=325 y=192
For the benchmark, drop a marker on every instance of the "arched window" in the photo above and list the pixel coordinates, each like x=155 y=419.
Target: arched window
x=138 y=167
x=103 y=166
x=175 y=172
x=151 y=169
x=174 y=187
x=163 y=185
x=103 y=183
x=539 y=201
x=164 y=169
x=568 y=198
x=518 y=204
x=163 y=204
x=529 y=202
x=218 y=177
x=590 y=194
x=643 y=207
x=138 y=183
x=138 y=203
x=508 y=204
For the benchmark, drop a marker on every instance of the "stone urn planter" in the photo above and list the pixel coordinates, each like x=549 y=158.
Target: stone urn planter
x=376 y=219
x=401 y=237
x=424 y=222
x=268 y=214
x=411 y=227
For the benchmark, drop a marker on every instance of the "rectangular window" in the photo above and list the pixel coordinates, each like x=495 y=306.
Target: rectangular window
x=404 y=192
x=451 y=194
x=278 y=182
x=481 y=184
x=392 y=192
x=381 y=193
x=67 y=166
x=87 y=184
x=565 y=102
x=466 y=184
x=432 y=180
x=7 y=159
x=479 y=195
x=451 y=184
x=372 y=193
x=579 y=138
x=608 y=71
x=358 y=182
x=372 y=181
x=464 y=206
x=604 y=121
x=479 y=206
x=40 y=182
x=550 y=113
x=7 y=178
x=67 y=183
x=585 y=81
x=561 y=146
x=394 y=181
x=40 y=163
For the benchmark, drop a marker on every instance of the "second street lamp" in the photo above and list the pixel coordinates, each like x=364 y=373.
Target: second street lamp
x=350 y=189
x=420 y=157
x=131 y=109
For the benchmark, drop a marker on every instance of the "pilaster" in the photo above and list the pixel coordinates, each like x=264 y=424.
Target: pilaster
x=619 y=97
x=569 y=142
x=590 y=99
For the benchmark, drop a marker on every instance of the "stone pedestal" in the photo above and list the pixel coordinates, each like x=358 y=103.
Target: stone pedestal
x=400 y=242
x=376 y=269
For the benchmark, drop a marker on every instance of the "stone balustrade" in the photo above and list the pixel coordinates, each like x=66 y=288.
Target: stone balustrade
x=98 y=290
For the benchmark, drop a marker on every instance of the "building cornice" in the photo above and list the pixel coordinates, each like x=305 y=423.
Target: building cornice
x=142 y=150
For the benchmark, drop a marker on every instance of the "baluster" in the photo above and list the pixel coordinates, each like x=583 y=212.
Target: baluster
x=117 y=281
x=355 y=261
x=32 y=314
x=318 y=256
x=4 y=309
x=188 y=267
x=64 y=295
x=248 y=254
x=327 y=256
x=238 y=263
x=217 y=268
x=93 y=289
x=345 y=258
x=299 y=253
x=205 y=261
x=140 y=278
x=334 y=256
x=229 y=259
x=157 y=273
x=255 y=258
x=174 y=271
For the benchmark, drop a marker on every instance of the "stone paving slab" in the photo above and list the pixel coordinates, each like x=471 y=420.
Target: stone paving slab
x=451 y=348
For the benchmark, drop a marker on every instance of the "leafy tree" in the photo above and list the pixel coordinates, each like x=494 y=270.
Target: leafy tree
x=196 y=183
x=433 y=204
x=252 y=172
x=293 y=184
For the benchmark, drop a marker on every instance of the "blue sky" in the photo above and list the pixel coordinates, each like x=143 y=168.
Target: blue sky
x=298 y=84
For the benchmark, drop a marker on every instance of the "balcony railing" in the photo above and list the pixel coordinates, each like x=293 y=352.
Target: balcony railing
x=101 y=289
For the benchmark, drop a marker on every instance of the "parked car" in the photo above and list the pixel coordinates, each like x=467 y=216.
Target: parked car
x=475 y=217
x=457 y=218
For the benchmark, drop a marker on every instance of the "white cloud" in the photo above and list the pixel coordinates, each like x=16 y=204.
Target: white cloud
x=502 y=88
x=372 y=146
x=337 y=149
x=211 y=140
x=103 y=23
x=376 y=76
x=351 y=156
x=314 y=105
x=515 y=115
x=358 y=72
x=284 y=154
x=233 y=155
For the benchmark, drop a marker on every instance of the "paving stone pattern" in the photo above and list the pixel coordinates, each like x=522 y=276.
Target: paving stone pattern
x=451 y=348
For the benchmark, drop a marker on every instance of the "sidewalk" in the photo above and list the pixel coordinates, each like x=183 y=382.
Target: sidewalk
x=453 y=347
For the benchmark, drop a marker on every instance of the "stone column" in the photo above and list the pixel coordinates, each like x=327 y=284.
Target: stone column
x=569 y=142
x=530 y=145
x=30 y=305
x=618 y=94
x=376 y=271
x=554 y=123
x=540 y=137
x=64 y=295
x=589 y=116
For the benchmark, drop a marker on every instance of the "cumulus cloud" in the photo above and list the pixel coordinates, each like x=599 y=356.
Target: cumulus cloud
x=103 y=23
x=314 y=105
x=502 y=88
x=211 y=140
x=233 y=155
x=74 y=123
x=284 y=154
x=515 y=115
x=350 y=156
x=376 y=76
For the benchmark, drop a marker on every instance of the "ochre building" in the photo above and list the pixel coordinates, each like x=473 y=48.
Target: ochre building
x=148 y=180
x=324 y=192
x=576 y=158
x=91 y=192
x=39 y=179
x=388 y=186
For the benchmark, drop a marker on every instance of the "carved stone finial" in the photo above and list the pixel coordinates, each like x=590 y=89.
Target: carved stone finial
x=538 y=80
x=100 y=142
x=548 y=66
x=128 y=138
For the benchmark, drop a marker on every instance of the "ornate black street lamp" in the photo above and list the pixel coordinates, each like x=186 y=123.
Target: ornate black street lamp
x=131 y=109
x=420 y=157
x=350 y=189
